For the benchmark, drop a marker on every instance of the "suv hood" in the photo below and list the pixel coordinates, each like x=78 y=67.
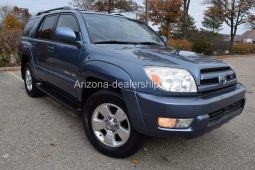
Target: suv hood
x=133 y=59
x=161 y=56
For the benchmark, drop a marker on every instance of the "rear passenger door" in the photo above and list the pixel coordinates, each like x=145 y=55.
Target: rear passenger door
x=42 y=46
x=66 y=56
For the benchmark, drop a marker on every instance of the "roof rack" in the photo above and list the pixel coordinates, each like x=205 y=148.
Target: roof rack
x=61 y=8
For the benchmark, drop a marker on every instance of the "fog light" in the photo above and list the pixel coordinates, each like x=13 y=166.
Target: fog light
x=183 y=123
x=166 y=122
x=174 y=123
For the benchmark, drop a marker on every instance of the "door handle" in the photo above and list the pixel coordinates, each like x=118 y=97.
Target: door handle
x=33 y=44
x=51 y=48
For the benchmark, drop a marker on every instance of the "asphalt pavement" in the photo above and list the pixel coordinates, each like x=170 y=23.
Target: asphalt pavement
x=41 y=134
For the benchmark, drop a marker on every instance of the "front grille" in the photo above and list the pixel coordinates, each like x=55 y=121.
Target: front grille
x=209 y=70
x=215 y=80
x=210 y=79
x=218 y=115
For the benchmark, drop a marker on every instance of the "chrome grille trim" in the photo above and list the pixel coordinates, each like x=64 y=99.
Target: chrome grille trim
x=210 y=79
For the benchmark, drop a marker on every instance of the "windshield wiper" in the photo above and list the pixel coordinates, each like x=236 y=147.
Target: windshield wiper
x=114 y=42
x=148 y=43
x=126 y=42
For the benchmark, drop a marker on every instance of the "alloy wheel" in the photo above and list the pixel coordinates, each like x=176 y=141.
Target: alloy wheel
x=29 y=80
x=110 y=124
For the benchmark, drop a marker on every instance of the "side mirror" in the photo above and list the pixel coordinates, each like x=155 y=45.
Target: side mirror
x=67 y=35
x=164 y=38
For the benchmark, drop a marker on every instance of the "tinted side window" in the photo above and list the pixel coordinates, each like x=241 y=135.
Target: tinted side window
x=31 y=23
x=69 y=21
x=47 y=27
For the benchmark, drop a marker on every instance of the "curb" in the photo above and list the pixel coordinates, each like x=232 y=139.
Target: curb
x=2 y=69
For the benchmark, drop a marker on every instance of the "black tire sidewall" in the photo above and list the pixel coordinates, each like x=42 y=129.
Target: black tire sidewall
x=35 y=92
x=133 y=143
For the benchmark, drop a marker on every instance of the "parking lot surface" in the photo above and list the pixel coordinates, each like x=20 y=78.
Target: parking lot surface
x=41 y=134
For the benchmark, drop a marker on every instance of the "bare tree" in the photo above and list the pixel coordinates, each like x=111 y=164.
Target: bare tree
x=22 y=15
x=83 y=4
x=252 y=21
x=233 y=13
x=105 y=5
x=186 y=5
x=4 y=11
x=111 y=5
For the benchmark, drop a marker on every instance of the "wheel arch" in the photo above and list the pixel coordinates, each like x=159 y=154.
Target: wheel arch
x=98 y=71
x=105 y=72
x=26 y=57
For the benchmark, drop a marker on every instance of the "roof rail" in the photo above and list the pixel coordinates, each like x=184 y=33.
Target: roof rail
x=120 y=14
x=61 y=8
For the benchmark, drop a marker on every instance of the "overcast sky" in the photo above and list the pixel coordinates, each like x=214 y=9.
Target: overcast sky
x=196 y=9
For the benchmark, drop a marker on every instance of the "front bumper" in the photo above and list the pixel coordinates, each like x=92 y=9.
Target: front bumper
x=203 y=109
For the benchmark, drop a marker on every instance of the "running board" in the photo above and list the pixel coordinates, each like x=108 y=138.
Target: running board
x=55 y=93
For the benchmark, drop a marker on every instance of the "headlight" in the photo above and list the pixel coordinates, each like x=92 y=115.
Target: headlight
x=171 y=79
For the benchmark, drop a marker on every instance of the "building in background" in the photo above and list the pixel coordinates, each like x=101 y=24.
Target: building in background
x=248 y=37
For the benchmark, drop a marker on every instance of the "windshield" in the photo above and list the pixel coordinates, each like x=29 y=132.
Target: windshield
x=110 y=29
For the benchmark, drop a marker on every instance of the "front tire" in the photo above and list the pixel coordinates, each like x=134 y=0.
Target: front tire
x=30 y=82
x=108 y=126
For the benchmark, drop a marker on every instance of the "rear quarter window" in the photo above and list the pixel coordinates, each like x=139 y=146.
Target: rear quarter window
x=30 y=25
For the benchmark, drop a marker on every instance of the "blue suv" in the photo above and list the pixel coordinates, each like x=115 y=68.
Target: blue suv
x=124 y=79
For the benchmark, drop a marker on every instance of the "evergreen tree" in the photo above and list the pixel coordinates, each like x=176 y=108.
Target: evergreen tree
x=212 y=20
x=190 y=29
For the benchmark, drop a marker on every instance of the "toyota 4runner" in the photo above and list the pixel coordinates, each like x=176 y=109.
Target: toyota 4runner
x=159 y=91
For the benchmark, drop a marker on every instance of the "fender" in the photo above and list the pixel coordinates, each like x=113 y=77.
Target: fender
x=112 y=73
x=27 y=51
x=102 y=70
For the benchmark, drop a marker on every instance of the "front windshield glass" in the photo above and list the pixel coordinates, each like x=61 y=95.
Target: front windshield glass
x=113 y=29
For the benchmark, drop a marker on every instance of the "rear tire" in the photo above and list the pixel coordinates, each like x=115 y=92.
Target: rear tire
x=114 y=136
x=30 y=82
